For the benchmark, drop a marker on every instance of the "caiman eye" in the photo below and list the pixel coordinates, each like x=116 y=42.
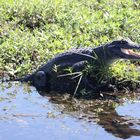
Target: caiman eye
x=124 y=41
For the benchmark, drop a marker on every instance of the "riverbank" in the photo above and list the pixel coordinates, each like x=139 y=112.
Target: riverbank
x=32 y=32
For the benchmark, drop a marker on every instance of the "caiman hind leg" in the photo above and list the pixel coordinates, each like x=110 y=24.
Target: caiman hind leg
x=41 y=81
x=73 y=81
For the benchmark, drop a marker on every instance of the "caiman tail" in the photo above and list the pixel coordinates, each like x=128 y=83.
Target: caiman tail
x=27 y=78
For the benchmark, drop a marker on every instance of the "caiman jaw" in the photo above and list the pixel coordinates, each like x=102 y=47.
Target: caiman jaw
x=130 y=52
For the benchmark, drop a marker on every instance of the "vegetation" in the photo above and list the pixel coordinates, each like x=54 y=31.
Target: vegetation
x=32 y=32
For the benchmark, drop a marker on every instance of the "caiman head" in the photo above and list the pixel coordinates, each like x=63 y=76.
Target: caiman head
x=122 y=49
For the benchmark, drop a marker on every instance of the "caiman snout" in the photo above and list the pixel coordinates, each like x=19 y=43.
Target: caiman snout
x=132 y=52
x=130 y=49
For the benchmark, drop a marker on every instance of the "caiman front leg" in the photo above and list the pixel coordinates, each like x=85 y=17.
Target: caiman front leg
x=87 y=82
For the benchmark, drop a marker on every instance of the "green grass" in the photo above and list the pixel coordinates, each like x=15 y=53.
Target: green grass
x=32 y=32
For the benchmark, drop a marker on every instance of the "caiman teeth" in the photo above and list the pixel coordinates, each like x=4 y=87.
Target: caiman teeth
x=130 y=52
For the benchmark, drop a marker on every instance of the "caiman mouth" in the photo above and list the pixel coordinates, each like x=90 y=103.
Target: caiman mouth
x=130 y=52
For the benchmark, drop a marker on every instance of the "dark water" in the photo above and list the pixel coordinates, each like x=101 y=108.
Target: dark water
x=25 y=115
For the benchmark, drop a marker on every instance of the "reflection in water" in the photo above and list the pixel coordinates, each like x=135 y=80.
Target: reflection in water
x=103 y=112
x=117 y=125
x=62 y=117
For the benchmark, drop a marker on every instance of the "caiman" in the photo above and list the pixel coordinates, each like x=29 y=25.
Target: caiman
x=66 y=72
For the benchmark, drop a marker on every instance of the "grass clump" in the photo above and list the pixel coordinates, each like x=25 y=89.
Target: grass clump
x=32 y=32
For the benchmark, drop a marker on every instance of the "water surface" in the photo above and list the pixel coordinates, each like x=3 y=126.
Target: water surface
x=25 y=114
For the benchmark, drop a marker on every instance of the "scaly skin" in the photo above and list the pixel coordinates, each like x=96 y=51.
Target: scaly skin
x=54 y=77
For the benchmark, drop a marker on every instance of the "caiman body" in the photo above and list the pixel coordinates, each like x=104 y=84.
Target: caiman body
x=58 y=74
